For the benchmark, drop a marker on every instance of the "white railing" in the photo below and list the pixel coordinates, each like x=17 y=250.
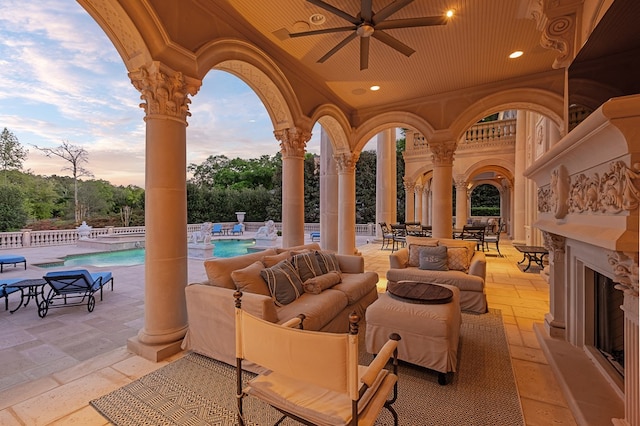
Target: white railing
x=28 y=238
x=492 y=131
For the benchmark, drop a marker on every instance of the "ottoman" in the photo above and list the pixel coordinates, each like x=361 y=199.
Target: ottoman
x=429 y=332
x=12 y=259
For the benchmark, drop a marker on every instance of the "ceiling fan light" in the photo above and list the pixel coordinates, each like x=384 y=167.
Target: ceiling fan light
x=365 y=30
x=374 y=88
x=317 y=19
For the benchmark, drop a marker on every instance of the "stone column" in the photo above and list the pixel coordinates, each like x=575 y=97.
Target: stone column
x=462 y=202
x=442 y=157
x=555 y=319
x=328 y=195
x=425 y=205
x=519 y=181
x=409 y=200
x=166 y=104
x=292 y=146
x=386 y=191
x=346 y=163
x=418 y=203
x=625 y=270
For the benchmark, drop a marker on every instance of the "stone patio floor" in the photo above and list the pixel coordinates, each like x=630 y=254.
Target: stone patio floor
x=51 y=368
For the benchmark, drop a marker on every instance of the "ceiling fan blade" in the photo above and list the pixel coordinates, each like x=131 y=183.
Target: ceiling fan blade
x=393 y=43
x=389 y=10
x=364 y=53
x=366 y=11
x=335 y=11
x=427 y=21
x=338 y=46
x=324 y=31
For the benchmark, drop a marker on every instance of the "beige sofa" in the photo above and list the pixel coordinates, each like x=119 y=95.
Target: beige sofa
x=470 y=281
x=210 y=305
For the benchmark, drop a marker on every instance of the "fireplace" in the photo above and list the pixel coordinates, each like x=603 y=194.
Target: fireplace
x=588 y=212
x=608 y=327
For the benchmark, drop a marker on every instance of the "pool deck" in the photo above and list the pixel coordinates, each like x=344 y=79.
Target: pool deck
x=51 y=368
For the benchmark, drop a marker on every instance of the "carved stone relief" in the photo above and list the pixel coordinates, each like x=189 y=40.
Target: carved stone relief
x=610 y=192
x=625 y=270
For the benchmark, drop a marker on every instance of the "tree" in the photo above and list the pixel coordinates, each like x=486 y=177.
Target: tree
x=13 y=214
x=366 y=187
x=12 y=154
x=76 y=156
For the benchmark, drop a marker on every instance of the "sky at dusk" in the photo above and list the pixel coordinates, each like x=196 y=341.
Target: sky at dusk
x=62 y=79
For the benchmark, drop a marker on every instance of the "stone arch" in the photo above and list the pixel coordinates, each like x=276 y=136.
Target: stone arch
x=381 y=122
x=490 y=165
x=541 y=101
x=255 y=68
x=336 y=124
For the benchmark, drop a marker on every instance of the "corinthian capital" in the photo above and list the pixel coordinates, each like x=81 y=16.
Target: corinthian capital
x=553 y=242
x=625 y=270
x=346 y=162
x=293 y=141
x=442 y=152
x=409 y=186
x=164 y=92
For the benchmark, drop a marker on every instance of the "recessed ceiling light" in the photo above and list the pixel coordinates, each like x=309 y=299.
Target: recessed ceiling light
x=374 y=88
x=317 y=19
x=515 y=54
x=450 y=13
x=300 y=26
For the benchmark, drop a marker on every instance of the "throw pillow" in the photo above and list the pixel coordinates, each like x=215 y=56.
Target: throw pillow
x=307 y=265
x=248 y=279
x=320 y=283
x=284 y=282
x=269 y=261
x=458 y=258
x=328 y=261
x=415 y=244
x=433 y=258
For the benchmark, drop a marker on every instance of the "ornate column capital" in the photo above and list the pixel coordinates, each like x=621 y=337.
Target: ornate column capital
x=460 y=183
x=442 y=152
x=346 y=162
x=418 y=189
x=164 y=92
x=293 y=141
x=409 y=186
x=625 y=271
x=554 y=243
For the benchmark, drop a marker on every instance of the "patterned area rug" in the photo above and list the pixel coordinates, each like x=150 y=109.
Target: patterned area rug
x=197 y=390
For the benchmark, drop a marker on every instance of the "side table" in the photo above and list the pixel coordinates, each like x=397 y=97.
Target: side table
x=28 y=289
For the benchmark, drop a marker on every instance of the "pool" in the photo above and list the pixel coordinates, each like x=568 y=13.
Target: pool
x=223 y=248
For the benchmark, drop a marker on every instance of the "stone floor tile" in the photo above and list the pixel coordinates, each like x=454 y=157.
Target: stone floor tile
x=83 y=417
x=50 y=367
x=94 y=364
x=135 y=367
x=527 y=354
x=19 y=393
x=532 y=311
x=513 y=335
x=8 y=419
x=538 y=413
x=529 y=339
x=536 y=381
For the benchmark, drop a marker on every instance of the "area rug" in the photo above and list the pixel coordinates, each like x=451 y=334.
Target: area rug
x=196 y=390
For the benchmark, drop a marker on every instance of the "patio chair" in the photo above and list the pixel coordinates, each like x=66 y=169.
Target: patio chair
x=399 y=232
x=474 y=233
x=9 y=259
x=315 y=236
x=73 y=288
x=6 y=290
x=387 y=235
x=237 y=229
x=313 y=377
x=494 y=238
x=217 y=229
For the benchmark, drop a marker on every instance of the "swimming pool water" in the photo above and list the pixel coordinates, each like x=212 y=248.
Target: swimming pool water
x=223 y=248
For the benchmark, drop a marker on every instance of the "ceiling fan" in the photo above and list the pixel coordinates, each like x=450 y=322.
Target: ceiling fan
x=368 y=24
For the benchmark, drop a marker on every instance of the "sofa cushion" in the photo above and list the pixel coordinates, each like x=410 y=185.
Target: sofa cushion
x=269 y=261
x=320 y=283
x=415 y=244
x=307 y=265
x=319 y=309
x=434 y=258
x=470 y=245
x=219 y=269
x=356 y=286
x=458 y=258
x=248 y=279
x=328 y=261
x=284 y=282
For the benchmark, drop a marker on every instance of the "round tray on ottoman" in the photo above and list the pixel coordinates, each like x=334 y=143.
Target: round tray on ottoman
x=418 y=292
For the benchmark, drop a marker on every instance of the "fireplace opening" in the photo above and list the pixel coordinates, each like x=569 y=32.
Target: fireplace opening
x=609 y=322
